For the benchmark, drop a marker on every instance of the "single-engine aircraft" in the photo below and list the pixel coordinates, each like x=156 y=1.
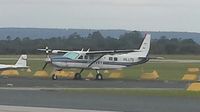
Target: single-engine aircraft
x=98 y=60
x=20 y=64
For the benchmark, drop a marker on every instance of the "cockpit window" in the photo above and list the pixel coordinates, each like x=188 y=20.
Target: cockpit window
x=71 y=55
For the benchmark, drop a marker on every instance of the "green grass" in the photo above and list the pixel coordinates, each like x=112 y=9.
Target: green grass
x=135 y=92
x=167 y=71
x=178 y=56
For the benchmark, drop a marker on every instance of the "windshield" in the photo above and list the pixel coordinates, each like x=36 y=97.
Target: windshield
x=71 y=55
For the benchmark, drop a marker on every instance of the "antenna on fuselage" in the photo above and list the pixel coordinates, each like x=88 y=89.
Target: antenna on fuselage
x=88 y=50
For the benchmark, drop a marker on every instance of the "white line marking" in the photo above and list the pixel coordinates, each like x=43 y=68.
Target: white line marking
x=4 y=108
x=62 y=89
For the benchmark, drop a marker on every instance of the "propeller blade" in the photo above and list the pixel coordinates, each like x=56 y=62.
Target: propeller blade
x=46 y=49
x=44 y=66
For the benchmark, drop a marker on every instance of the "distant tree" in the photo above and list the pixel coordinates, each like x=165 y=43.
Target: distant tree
x=96 y=41
x=8 y=38
x=130 y=40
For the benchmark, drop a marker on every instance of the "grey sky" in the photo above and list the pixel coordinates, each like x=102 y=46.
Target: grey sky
x=152 y=15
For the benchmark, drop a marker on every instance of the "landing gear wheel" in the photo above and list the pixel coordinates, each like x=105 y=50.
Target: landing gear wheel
x=99 y=77
x=77 y=76
x=54 y=77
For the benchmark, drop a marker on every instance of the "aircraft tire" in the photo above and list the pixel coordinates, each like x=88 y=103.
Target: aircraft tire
x=99 y=77
x=54 y=77
x=77 y=76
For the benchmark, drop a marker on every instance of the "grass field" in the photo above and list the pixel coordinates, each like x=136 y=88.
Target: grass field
x=179 y=56
x=167 y=71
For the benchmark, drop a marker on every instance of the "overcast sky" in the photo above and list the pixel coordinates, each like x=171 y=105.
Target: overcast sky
x=151 y=15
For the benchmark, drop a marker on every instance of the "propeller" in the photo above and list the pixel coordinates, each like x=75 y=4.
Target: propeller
x=50 y=51
x=44 y=66
x=48 y=59
x=47 y=50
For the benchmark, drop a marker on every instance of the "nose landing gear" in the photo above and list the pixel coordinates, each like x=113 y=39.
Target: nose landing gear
x=77 y=76
x=99 y=76
x=54 y=77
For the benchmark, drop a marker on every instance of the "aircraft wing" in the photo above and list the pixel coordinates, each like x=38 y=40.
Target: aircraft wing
x=59 y=51
x=8 y=67
x=3 y=67
x=53 y=51
x=111 y=51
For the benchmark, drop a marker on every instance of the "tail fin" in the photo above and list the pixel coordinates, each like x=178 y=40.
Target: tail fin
x=22 y=61
x=145 y=46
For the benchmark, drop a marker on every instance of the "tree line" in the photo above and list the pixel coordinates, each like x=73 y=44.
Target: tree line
x=96 y=41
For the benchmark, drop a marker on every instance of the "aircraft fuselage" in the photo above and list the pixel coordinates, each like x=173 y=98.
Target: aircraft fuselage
x=105 y=62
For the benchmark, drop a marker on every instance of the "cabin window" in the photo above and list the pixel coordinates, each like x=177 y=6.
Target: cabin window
x=115 y=58
x=81 y=57
x=86 y=57
x=110 y=58
x=132 y=59
x=125 y=59
x=91 y=57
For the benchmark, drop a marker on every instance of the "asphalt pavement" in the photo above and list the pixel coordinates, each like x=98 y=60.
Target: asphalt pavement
x=105 y=102
x=46 y=93
x=38 y=82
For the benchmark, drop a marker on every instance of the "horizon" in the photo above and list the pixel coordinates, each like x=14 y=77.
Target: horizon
x=93 y=29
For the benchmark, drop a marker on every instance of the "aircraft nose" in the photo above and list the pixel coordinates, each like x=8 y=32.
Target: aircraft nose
x=60 y=62
x=48 y=60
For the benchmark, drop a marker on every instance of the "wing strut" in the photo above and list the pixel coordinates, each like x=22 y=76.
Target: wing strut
x=92 y=62
x=96 y=60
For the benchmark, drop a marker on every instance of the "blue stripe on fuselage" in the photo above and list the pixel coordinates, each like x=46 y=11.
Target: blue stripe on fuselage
x=65 y=59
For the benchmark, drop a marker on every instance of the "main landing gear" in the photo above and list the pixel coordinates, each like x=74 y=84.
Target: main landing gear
x=77 y=76
x=99 y=76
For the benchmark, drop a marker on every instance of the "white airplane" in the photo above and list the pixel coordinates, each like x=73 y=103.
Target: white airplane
x=99 y=60
x=20 y=64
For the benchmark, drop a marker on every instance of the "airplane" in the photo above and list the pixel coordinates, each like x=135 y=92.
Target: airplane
x=20 y=64
x=98 y=60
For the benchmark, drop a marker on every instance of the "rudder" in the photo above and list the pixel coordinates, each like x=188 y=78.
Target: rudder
x=22 y=61
x=145 y=46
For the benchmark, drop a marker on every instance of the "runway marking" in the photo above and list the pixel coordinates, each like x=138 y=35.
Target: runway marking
x=63 y=89
x=4 y=108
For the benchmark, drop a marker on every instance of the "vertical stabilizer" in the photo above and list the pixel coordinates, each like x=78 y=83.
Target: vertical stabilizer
x=22 y=61
x=145 y=46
